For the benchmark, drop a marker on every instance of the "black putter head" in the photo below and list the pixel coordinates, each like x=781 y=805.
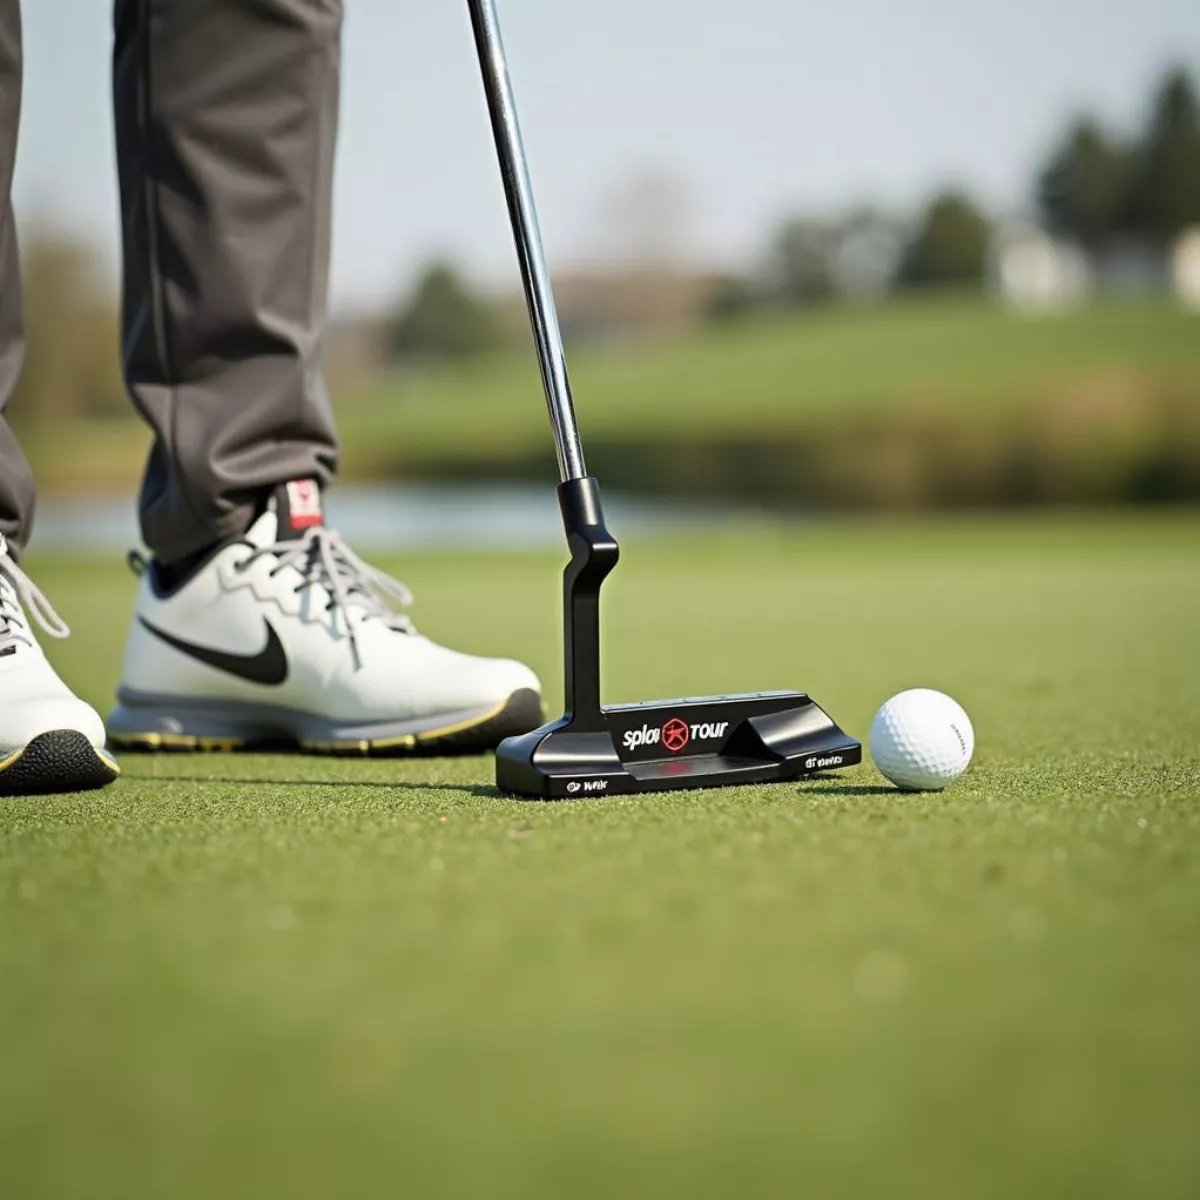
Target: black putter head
x=711 y=741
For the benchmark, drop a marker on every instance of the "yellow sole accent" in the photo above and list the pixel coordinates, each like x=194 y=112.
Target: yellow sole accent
x=430 y=735
x=406 y=741
x=355 y=747
x=176 y=741
x=5 y=763
x=360 y=746
x=363 y=746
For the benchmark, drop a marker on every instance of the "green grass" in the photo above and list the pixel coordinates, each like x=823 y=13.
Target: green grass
x=287 y=977
x=959 y=374
x=781 y=374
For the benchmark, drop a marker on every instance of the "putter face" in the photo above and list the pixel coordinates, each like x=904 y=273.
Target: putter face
x=710 y=741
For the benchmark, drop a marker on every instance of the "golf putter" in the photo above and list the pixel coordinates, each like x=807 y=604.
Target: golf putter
x=593 y=751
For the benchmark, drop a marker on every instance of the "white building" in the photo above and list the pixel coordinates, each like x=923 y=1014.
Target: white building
x=1034 y=271
x=1185 y=267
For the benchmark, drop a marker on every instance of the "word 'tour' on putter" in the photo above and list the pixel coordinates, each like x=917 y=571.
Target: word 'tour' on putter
x=594 y=751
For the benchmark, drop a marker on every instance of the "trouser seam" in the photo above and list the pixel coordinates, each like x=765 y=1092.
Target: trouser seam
x=319 y=193
x=155 y=282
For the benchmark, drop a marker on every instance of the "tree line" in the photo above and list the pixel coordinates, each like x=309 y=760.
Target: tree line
x=1098 y=187
x=1094 y=188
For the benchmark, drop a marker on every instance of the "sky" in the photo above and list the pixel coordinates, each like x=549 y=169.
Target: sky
x=755 y=108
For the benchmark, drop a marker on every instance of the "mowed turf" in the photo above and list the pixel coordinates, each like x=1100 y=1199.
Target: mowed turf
x=278 y=976
x=1105 y=373
x=786 y=372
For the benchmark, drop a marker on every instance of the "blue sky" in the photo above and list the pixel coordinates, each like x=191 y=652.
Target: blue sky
x=756 y=107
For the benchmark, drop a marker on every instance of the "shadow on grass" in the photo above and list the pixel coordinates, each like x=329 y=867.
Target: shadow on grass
x=848 y=789
x=467 y=789
x=815 y=786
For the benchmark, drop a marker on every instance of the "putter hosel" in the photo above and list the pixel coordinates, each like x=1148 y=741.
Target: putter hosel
x=594 y=553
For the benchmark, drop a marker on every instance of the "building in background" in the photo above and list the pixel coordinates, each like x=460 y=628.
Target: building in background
x=1034 y=271
x=1185 y=268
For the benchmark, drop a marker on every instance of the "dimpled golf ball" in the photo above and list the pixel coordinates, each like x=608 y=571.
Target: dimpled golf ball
x=922 y=740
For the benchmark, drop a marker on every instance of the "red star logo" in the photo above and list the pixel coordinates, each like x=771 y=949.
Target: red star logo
x=675 y=735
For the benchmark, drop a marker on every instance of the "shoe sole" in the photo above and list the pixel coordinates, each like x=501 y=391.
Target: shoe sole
x=62 y=760
x=159 y=724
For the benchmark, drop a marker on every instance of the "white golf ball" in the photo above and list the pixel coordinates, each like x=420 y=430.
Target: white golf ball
x=922 y=740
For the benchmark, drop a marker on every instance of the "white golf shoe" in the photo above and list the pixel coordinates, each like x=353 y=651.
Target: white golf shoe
x=286 y=637
x=50 y=740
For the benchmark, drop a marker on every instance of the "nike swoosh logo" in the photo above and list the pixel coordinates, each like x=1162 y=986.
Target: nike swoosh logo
x=269 y=666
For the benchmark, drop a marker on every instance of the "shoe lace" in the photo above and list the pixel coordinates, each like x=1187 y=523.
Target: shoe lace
x=322 y=557
x=18 y=593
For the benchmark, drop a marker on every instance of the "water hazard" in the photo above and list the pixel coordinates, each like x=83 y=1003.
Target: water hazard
x=395 y=518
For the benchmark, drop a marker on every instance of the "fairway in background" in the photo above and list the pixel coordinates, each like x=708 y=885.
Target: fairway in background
x=942 y=400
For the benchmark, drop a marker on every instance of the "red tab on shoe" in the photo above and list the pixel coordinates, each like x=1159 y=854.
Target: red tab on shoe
x=298 y=507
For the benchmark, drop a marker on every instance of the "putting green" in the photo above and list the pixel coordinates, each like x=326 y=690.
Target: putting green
x=277 y=976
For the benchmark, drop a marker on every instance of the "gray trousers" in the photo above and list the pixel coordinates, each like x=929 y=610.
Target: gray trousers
x=226 y=116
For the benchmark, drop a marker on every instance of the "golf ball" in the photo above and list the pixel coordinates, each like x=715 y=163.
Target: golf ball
x=922 y=740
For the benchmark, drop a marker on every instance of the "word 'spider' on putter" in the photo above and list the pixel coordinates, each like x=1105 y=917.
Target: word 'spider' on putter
x=594 y=751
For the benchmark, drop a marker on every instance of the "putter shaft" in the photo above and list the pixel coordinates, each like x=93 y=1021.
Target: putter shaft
x=518 y=189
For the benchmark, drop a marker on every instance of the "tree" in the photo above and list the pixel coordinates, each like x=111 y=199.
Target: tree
x=72 y=364
x=814 y=258
x=443 y=319
x=1166 y=186
x=732 y=297
x=801 y=261
x=950 y=245
x=867 y=245
x=646 y=220
x=1083 y=190
x=644 y=246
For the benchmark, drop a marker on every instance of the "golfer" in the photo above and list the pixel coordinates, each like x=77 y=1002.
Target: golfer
x=255 y=623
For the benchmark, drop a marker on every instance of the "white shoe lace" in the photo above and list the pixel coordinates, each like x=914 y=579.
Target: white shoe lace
x=18 y=592
x=322 y=557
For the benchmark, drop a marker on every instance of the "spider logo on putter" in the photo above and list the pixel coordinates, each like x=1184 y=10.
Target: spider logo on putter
x=675 y=734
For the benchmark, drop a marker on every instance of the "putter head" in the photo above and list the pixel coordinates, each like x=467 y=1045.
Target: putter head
x=711 y=741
